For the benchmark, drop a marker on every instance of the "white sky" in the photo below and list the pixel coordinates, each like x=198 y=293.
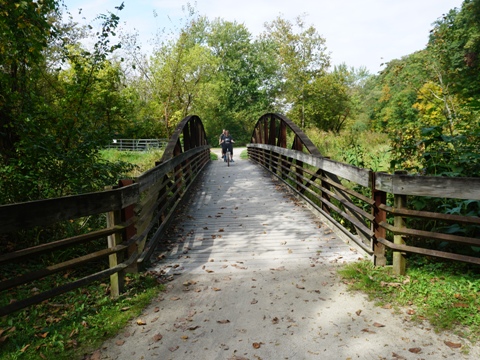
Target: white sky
x=357 y=32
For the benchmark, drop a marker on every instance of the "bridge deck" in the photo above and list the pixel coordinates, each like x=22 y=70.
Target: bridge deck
x=241 y=215
x=251 y=274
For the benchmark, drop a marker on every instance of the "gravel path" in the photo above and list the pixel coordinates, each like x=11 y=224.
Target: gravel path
x=252 y=274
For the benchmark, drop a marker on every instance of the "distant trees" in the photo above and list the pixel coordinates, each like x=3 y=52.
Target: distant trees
x=62 y=98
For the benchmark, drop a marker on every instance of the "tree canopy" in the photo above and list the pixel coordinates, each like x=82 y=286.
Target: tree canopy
x=67 y=89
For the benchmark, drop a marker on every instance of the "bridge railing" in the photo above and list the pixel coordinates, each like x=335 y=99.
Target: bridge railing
x=134 y=216
x=366 y=207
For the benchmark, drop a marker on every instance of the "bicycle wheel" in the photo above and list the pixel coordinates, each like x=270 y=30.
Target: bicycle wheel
x=228 y=157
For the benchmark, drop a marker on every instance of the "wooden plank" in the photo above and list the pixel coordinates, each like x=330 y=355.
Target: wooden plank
x=433 y=186
x=428 y=252
x=431 y=235
x=157 y=173
x=60 y=244
x=432 y=215
x=45 y=212
x=50 y=270
x=18 y=305
x=348 y=172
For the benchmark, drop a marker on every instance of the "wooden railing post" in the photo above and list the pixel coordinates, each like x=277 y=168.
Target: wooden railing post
x=116 y=280
x=380 y=197
x=399 y=261
x=126 y=214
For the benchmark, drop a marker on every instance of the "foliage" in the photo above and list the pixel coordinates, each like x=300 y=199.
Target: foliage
x=448 y=301
x=76 y=323
x=302 y=60
x=365 y=149
x=51 y=146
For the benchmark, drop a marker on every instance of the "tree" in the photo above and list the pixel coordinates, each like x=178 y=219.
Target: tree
x=65 y=110
x=301 y=57
x=25 y=29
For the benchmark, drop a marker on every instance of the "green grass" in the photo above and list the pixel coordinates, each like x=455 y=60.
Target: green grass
x=446 y=295
x=71 y=325
x=143 y=160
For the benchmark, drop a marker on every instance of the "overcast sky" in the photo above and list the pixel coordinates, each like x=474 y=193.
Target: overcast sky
x=357 y=32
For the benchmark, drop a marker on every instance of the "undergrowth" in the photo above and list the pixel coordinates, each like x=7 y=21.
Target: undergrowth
x=71 y=325
x=446 y=295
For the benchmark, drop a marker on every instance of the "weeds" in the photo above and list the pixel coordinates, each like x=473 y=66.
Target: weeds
x=75 y=323
x=446 y=295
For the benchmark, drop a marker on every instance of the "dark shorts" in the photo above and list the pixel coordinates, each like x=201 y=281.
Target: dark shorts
x=229 y=147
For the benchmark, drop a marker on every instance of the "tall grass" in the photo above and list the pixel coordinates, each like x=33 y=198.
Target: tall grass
x=143 y=160
x=365 y=149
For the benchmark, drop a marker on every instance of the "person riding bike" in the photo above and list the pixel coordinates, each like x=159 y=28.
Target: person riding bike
x=220 y=142
x=227 y=143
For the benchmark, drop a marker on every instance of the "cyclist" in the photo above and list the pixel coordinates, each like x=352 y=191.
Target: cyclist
x=228 y=144
x=220 y=142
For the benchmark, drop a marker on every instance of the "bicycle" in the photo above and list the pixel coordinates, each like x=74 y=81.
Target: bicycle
x=227 y=157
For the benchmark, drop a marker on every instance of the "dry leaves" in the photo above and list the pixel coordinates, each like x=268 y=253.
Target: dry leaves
x=452 y=344
x=416 y=350
x=141 y=322
x=223 y=321
x=157 y=337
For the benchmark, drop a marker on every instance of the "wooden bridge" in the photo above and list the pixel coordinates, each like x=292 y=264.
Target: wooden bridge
x=359 y=213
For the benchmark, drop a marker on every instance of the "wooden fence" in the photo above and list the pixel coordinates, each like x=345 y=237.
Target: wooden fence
x=369 y=208
x=136 y=214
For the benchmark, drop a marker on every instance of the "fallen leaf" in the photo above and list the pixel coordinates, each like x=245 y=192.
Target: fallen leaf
x=173 y=348
x=378 y=325
x=416 y=350
x=358 y=312
x=256 y=345
x=275 y=320
x=157 y=337
x=120 y=342
x=194 y=327
x=141 y=322
x=223 y=321
x=410 y=312
x=209 y=271
x=399 y=357
x=174 y=298
x=216 y=289
x=253 y=301
x=300 y=287
x=184 y=337
x=460 y=305
x=367 y=330
x=25 y=348
x=453 y=345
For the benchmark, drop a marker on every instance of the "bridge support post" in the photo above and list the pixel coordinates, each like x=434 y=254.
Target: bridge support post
x=116 y=280
x=399 y=261
x=380 y=197
x=126 y=214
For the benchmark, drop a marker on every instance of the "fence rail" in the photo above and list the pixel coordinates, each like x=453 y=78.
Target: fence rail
x=137 y=144
x=134 y=216
x=337 y=191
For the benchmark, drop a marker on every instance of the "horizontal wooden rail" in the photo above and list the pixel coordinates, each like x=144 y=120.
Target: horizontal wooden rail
x=325 y=185
x=137 y=213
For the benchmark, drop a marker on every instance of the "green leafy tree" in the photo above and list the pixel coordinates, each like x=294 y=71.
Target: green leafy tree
x=302 y=58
